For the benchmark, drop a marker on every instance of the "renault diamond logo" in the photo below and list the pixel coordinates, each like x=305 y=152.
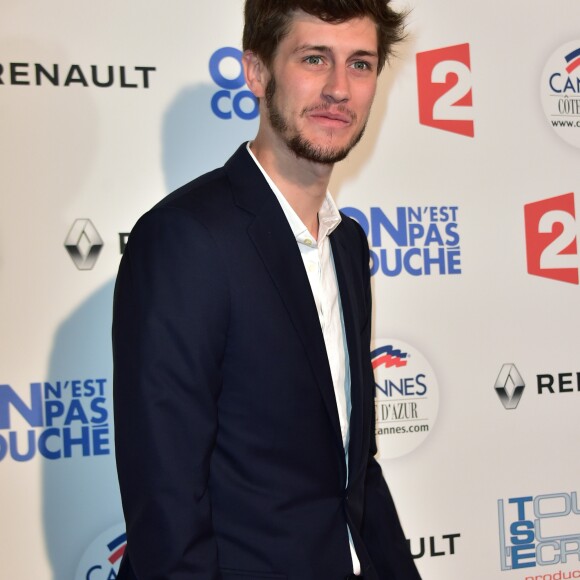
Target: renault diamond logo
x=509 y=386
x=83 y=244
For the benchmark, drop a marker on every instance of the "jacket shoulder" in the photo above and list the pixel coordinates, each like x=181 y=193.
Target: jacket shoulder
x=203 y=191
x=210 y=190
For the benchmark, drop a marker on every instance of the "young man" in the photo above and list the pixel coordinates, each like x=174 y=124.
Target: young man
x=243 y=385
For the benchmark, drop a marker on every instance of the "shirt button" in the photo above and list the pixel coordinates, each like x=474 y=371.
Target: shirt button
x=308 y=241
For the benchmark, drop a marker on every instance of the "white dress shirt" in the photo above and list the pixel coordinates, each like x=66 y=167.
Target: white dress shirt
x=319 y=265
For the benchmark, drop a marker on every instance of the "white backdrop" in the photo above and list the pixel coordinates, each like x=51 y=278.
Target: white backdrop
x=464 y=135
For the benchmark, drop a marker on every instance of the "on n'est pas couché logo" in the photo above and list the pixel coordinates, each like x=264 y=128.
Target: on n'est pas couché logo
x=232 y=99
x=445 y=89
x=419 y=240
x=102 y=558
x=406 y=397
x=56 y=420
x=551 y=238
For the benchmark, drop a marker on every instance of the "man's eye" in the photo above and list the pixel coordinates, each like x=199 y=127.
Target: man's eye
x=313 y=59
x=361 y=65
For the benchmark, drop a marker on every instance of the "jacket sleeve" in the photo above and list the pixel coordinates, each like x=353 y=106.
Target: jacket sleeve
x=169 y=329
x=381 y=530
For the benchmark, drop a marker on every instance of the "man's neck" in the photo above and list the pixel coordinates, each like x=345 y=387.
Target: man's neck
x=303 y=183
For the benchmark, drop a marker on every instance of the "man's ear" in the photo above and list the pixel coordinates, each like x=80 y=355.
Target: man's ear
x=256 y=73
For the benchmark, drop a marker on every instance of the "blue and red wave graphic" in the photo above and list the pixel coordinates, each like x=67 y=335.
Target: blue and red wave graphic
x=573 y=60
x=389 y=357
x=117 y=548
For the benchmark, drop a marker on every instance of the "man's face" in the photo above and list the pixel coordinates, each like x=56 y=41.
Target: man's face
x=322 y=84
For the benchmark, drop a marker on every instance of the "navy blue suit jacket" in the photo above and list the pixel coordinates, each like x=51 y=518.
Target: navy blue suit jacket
x=229 y=451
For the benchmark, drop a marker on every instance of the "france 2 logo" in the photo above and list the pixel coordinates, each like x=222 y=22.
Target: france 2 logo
x=445 y=95
x=552 y=249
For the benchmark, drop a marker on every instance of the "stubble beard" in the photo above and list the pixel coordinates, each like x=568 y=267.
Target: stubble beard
x=297 y=143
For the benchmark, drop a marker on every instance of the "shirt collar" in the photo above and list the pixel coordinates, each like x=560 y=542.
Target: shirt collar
x=328 y=215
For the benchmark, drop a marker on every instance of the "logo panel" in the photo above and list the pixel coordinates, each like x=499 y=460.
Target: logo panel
x=56 y=420
x=551 y=244
x=560 y=92
x=83 y=244
x=433 y=546
x=509 y=386
x=414 y=240
x=102 y=558
x=76 y=75
x=540 y=531
x=552 y=383
x=445 y=89
x=406 y=397
x=232 y=100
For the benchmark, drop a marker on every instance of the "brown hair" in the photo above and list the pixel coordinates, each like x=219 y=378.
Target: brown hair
x=266 y=22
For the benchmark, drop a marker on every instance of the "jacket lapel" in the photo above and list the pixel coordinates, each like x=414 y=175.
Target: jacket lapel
x=273 y=239
x=345 y=277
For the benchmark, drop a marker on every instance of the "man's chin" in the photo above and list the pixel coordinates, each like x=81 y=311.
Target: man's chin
x=316 y=153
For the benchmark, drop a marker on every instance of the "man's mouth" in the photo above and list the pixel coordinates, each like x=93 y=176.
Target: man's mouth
x=331 y=117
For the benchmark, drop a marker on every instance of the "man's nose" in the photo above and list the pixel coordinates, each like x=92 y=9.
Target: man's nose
x=337 y=86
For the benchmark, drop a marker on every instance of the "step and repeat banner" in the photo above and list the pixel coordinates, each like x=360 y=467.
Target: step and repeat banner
x=466 y=184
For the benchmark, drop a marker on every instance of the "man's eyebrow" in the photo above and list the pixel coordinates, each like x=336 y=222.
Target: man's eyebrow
x=322 y=48
x=371 y=53
x=312 y=47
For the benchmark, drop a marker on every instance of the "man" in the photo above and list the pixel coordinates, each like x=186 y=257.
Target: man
x=243 y=385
